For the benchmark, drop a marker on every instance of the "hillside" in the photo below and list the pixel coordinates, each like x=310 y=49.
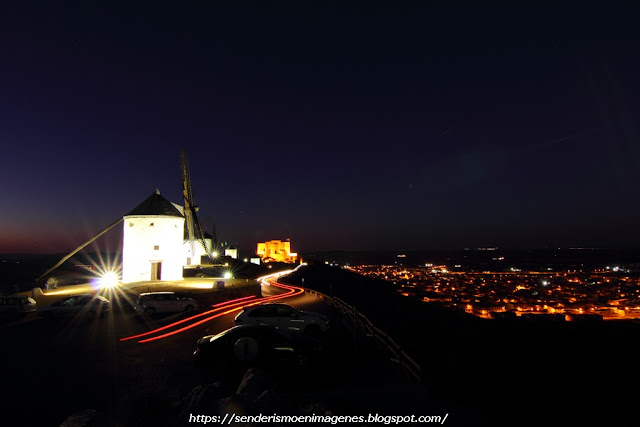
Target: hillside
x=519 y=371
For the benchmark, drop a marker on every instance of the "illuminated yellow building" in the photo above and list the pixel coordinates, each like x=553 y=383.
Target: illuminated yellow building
x=276 y=251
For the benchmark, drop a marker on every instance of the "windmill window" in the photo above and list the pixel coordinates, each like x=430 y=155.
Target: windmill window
x=156 y=247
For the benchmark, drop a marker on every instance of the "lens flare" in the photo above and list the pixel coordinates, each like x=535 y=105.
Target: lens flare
x=109 y=280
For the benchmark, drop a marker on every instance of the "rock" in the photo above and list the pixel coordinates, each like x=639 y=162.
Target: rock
x=313 y=406
x=255 y=382
x=271 y=401
x=201 y=399
x=86 y=417
x=236 y=404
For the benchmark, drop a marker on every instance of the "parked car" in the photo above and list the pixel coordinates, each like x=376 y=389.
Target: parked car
x=246 y=345
x=17 y=305
x=84 y=304
x=164 y=302
x=284 y=317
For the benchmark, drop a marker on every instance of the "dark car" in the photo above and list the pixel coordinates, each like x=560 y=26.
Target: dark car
x=84 y=305
x=246 y=345
x=17 y=305
x=164 y=302
x=283 y=317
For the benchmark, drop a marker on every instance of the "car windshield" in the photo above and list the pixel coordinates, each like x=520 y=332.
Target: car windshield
x=67 y=301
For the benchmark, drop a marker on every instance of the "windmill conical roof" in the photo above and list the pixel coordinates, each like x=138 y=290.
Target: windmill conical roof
x=155 y=204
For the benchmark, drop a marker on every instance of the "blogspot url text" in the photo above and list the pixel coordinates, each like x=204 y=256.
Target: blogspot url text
x=229 y=419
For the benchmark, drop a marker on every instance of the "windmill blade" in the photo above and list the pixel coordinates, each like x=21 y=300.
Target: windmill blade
x=79 y=248
x=201 y=238
x=186 y=176
x=188 y=199
x=194 y=229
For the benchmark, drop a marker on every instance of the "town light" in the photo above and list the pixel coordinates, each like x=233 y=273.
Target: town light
x=228 y=275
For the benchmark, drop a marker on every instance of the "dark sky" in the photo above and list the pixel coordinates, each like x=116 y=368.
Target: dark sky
x=360 y=126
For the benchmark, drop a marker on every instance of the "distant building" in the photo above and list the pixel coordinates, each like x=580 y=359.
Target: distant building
x=232 y=252
x=276 y=251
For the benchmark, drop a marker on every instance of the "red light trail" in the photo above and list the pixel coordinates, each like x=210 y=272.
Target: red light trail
x=227 y=306
x=230 y=301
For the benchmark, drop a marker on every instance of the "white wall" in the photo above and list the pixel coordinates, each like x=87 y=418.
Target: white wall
x=199 y=252
x=138 y=247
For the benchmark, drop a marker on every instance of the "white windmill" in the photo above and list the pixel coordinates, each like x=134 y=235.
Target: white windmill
x=159 y=237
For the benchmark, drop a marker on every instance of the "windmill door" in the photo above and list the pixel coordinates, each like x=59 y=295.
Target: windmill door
x=156 y=270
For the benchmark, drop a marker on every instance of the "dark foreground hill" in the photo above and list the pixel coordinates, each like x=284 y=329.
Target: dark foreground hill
x=517 y=372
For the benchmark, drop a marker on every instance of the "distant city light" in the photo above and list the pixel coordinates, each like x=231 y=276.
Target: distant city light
x=228 y=275
x=509 y=294
x=214 y=254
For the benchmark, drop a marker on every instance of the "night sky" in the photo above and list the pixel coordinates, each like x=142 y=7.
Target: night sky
x=366 y=126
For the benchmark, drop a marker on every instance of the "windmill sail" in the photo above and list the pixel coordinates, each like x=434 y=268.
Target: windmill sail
x=194 y=229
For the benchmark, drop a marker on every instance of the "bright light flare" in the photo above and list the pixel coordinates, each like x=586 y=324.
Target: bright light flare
x=109 y=280
x=228 y=275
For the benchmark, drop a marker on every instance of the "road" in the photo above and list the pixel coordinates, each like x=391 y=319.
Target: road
x=53 y=369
